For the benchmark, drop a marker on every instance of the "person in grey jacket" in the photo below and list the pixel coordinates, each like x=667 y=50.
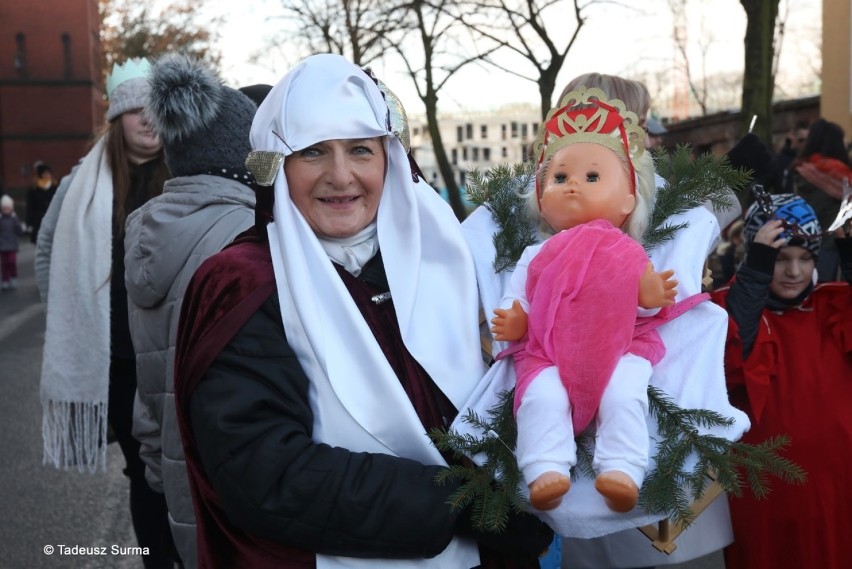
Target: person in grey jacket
x=205 y=130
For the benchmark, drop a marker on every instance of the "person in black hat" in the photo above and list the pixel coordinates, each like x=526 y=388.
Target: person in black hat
x=204 y=126
x=38 y=197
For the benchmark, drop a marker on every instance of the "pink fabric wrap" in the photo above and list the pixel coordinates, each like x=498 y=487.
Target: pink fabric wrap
x=583 y=287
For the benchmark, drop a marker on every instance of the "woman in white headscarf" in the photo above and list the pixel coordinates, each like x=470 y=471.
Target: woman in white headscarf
x=315 y=355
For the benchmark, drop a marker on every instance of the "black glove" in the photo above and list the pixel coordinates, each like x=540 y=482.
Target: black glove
x=525 y=536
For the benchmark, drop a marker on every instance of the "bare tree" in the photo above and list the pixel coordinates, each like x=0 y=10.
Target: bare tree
x=521 y=27
x=431 y=68
x=759 y=79
x=130 y=29
x=356 y=29
x=697 y=81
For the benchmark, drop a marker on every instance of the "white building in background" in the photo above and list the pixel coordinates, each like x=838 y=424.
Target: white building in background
x=476 y=141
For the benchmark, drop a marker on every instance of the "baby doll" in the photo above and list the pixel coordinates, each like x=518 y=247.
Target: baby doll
x=583 y=355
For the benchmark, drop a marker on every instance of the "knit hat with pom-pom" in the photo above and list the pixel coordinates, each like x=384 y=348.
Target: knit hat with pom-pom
x=203 y=124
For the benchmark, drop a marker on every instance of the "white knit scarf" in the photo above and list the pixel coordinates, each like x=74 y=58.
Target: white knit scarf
x=75 y=367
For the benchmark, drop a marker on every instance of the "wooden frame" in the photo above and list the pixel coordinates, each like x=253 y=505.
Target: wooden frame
x=663 y=534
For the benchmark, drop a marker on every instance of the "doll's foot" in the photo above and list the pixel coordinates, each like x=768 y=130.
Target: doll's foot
x=547 y=490
x=618 y=489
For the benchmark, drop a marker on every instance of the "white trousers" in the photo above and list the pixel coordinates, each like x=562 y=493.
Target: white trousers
x=546 y=436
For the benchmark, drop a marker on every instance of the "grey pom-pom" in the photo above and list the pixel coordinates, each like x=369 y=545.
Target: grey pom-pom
x=185 y=97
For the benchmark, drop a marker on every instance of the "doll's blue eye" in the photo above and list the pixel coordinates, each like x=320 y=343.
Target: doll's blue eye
x=592 y=177
x=560 y=178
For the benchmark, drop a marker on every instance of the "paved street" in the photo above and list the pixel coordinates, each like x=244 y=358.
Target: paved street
x=40 y=506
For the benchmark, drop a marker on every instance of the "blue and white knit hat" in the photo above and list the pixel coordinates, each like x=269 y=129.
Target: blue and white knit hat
x=796 y=212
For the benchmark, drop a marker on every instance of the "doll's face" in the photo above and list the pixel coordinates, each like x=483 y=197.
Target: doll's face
x=584 y=182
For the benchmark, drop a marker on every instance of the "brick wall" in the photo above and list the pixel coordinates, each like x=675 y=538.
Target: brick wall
x=51 y=102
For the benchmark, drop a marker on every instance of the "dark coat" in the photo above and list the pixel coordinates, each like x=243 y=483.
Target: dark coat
x=38 y=200
x=10 y=230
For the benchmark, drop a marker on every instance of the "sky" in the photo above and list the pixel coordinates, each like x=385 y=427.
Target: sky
x=633 y=39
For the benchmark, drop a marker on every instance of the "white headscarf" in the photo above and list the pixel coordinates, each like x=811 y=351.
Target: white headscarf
x=357 y=400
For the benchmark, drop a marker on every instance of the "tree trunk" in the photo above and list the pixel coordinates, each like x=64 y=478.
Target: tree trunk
x=758 y=79
x=546 y=87
x=430 y=101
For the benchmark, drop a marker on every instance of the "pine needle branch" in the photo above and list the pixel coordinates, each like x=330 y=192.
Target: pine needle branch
x=492 y=491
x=690 y=183
x=681 y=439
x=503 y=190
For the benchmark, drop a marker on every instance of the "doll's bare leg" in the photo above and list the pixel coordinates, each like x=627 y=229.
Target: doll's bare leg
x=546 y=450
x=621 y=445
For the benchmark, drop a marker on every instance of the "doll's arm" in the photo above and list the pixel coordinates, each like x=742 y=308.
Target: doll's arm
x=509 y=325
x=656 y=289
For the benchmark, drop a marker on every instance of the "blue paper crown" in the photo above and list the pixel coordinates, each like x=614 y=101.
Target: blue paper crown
x=131 y=69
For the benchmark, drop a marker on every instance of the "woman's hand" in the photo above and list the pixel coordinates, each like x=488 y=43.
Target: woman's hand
x=509 y=325
x=770 y=234
x=656 y=289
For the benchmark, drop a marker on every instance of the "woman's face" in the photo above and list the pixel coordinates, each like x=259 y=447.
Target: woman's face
x=337 y=184
x=141 y=142
x=794 y=269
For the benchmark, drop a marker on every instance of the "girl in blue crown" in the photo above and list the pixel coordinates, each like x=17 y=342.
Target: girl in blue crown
x=88 y=378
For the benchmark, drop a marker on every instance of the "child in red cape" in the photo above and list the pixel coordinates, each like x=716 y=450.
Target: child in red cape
x=788 y=361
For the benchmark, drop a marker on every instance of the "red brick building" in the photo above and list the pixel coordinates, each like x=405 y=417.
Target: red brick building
x=51 y=99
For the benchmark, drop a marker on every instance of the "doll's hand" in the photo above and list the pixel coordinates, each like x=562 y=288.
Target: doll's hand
x=770 y=234
x=656 y=289
x=509 y=325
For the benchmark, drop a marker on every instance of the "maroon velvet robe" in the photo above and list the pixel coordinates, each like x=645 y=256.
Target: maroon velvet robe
x=235 y=284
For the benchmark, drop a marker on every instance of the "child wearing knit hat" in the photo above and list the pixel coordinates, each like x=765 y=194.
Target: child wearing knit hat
x=10 y=231
x=788 y=361
x=204 y=126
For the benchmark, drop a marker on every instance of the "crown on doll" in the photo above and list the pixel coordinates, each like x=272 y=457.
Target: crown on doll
x=130 y=69
x=587 y=115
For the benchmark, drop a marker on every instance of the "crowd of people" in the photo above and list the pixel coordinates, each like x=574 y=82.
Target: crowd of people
x=275 y=309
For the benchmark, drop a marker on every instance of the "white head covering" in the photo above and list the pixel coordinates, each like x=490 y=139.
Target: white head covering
x=357 y=400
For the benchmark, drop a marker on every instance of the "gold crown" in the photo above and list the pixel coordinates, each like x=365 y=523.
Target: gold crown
x=587 y=115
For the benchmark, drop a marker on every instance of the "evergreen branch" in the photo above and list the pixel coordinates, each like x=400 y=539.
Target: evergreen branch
x=585 y=455
x=690 y=183
x=503 y=190
x=493 y=490
x=682 y=439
